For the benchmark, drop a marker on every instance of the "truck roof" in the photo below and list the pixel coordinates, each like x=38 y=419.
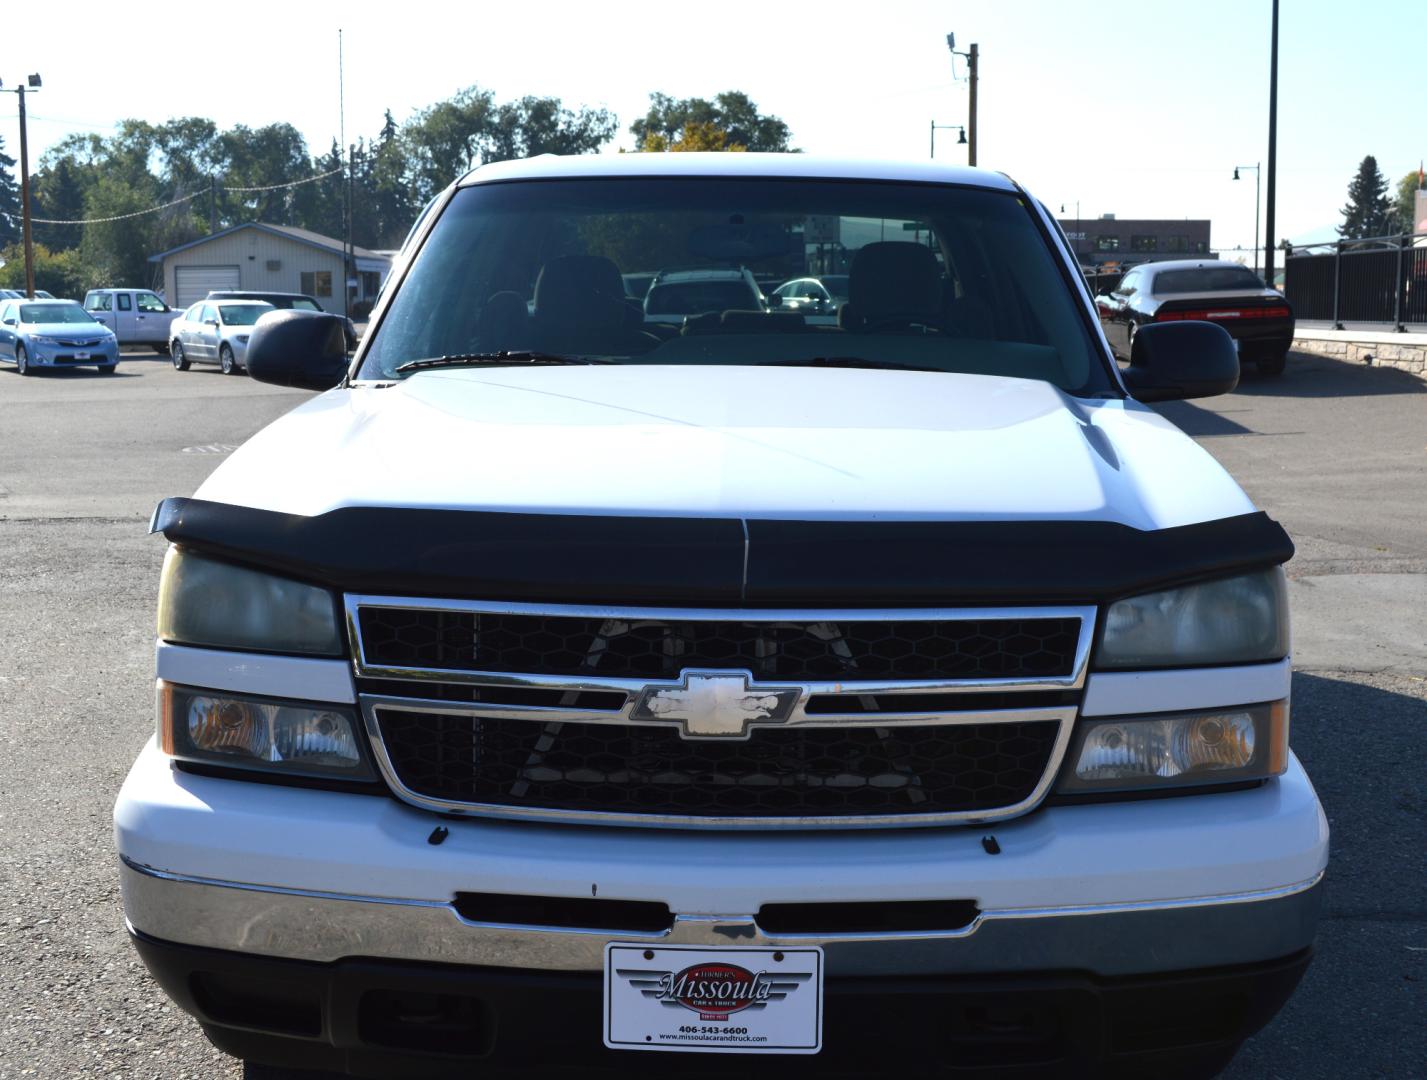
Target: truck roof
x=551 y=166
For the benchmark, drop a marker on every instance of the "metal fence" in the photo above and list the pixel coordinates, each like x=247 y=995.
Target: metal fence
x=1378 y=280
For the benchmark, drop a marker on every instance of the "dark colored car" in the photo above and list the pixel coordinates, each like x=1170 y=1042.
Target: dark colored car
x=283 y=301
x=1258 y=319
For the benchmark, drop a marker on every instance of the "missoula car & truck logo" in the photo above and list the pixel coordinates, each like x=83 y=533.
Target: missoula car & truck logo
x=715 y=990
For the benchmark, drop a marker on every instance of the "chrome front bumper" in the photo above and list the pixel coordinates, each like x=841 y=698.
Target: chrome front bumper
x=1105 y=939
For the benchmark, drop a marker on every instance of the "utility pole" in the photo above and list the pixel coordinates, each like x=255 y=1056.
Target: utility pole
x=971 y=122
x=29 y=84
x=1272 y=149
x=972 y=59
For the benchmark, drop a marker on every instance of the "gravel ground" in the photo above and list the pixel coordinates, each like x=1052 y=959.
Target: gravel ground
x=1338 y=454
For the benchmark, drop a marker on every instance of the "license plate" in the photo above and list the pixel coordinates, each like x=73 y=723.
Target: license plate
x=732 y=1000
x=81 y=355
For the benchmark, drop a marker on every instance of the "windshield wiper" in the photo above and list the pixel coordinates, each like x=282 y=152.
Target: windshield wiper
x=515 y=357
x=851 y=362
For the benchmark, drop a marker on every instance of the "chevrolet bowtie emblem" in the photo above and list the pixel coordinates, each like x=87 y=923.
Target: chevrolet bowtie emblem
x=716 y=704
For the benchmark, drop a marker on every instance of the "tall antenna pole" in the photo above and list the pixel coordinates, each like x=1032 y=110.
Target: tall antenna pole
x=347 y=187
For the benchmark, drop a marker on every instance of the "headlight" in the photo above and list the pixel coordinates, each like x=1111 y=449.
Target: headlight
x=297 y=738
x=206 y=602
x=44 y=339
x=1233 y=621
x=1220 y=746
x=241 y=339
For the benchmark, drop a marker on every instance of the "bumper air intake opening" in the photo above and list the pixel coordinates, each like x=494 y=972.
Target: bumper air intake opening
x=868 y=918
x=577 y=913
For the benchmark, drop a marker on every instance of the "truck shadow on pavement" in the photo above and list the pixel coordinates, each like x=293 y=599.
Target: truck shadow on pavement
x=1310 y=375
x=1359 y=1009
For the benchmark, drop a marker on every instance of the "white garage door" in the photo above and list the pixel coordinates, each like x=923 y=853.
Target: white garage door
x=193 y=283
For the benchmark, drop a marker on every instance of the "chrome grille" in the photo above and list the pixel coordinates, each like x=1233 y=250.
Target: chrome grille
x=821 y=719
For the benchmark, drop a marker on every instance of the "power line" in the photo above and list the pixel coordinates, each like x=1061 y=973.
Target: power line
x=184 y=199
x=118 y=217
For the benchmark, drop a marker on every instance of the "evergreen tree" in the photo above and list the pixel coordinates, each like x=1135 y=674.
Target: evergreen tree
x=1368 y=206
x=59 y=195
x=10 y=223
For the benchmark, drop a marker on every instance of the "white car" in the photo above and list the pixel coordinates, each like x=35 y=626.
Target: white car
x=677 y=295
x=215 y=332
x=551 y=690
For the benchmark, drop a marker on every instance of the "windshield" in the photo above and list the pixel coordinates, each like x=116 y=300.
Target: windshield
x=54 y=313
x=243 y=314
x=1207 y=279
x=945 y=278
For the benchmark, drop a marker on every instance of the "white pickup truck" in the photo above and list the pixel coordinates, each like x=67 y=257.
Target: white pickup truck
x=562 y=686
x=137 y=316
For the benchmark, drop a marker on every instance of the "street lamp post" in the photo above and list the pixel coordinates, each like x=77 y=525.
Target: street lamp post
x=1256 y=209
x=31 y=84
x=947 y=127
x=1272 y=148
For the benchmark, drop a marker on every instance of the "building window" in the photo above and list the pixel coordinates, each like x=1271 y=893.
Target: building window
x=1107 y=243
x=1144 y=243
x=1200 y=247
x=1176 y=243
x=316 y=282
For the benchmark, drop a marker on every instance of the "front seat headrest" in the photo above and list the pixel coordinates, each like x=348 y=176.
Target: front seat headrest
x=893 y=283
x=580 y=290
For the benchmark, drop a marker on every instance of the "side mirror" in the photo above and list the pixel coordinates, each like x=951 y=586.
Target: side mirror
x=1177 y=360
x=307 y=349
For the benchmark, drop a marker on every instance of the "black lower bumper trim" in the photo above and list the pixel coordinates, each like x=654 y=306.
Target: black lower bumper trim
x=376 y=1018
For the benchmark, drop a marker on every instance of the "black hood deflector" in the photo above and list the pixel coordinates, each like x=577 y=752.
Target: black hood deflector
x=557 y=558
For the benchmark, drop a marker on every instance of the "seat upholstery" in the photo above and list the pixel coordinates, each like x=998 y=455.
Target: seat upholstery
x=893 y=285
x=580 y=307
x=505 y=323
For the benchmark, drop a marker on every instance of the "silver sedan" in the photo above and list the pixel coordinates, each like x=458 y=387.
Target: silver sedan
x=215 y=332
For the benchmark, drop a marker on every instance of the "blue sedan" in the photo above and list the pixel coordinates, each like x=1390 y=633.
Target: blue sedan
x=54 y=333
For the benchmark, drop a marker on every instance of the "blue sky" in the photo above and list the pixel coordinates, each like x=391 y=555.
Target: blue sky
x=1144 y=115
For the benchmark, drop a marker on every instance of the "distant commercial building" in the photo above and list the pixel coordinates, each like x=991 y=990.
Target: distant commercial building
x=1108 y=241
x=270 y=258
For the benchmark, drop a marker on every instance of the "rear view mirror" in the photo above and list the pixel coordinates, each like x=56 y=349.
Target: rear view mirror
x=1177 y=360
x=737 y=242
x=307 y=349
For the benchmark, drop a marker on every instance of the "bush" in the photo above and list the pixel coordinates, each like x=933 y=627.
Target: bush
x=58 y=272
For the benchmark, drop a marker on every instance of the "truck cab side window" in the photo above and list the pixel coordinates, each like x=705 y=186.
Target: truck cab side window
x=124 y=303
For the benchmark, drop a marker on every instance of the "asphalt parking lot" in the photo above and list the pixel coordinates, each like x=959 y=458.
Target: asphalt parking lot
x=1338 y=454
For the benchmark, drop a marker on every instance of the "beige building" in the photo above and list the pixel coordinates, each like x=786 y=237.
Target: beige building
x=269 y=258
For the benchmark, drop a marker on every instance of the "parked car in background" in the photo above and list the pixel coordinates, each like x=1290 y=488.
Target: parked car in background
x=1258 y=318
x=137 y=316
x=54 y=333
x=19 y=294
x=808 y=296
x=284 y=301
x=215 y=332
x=636 y=286
x=675 y=295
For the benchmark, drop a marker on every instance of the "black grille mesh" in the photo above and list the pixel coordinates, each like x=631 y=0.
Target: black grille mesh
x=778 y=772
x=662 y=648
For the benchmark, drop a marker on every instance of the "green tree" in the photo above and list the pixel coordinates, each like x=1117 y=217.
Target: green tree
x=59 y=196
x=1405 y=205
x=116 y=252
x=732 y=112
x=58 y=272
x=1368 y=206
x=10 y=209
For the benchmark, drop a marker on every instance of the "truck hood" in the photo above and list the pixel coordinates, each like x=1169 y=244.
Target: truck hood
x=789 y=443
